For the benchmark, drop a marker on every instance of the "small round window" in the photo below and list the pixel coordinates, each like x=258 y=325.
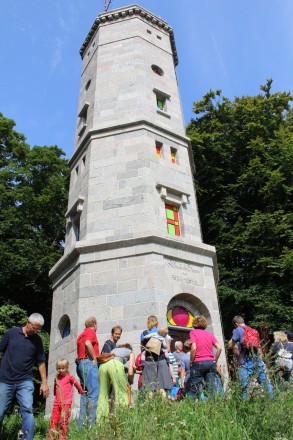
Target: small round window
x=157 y=70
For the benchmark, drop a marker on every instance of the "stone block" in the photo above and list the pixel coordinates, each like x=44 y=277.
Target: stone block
x=139 y=310
x=127 y=286
x=84 y=279
x=136 y=261
x=123 y=263
x=98 y=290
x=97 y=302
x=122 y=201
x=120 y=299
x=117 y=313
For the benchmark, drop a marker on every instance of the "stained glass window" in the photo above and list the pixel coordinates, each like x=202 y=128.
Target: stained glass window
x=172 y=220
x=180 y=316
x=173 y=155
x=159 y=150
x=160 y=103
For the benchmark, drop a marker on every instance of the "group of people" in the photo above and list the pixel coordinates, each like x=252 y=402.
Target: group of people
x=107 y=376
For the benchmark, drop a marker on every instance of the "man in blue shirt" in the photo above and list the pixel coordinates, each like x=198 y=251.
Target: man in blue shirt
x=22 y=348
x=110 y=344
x=250 y=364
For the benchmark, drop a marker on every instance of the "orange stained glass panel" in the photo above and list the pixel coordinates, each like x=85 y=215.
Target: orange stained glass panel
x=158 y=150
x=173 y=155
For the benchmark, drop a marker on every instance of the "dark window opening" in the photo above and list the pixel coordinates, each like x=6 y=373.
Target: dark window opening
x=157 y=70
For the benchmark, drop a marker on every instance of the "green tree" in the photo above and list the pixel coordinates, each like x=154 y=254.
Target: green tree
x=243 y=152
x=33 y=198
x=11 y=316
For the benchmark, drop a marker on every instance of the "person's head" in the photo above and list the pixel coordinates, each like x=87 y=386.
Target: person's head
x=199 y=322
x=152 y=322
x=62 y=366
x=116 y=333
x=238 y=321
x=91 y=322
x=178 y=346
x=34 y=324
x=163 y=331
x=187 y=345
x=124 y=346
x=280 y=336
x=289 y=335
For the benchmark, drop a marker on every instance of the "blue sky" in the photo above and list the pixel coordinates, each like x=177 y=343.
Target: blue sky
x=231 y=45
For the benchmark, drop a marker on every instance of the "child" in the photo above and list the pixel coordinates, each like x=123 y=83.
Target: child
x=63 y=392
x=161 y=335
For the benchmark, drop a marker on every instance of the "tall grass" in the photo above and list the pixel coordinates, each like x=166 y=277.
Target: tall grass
x=232 y=418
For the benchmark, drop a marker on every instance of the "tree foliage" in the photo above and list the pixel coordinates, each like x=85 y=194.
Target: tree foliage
x=243 y=153
x=33 y=198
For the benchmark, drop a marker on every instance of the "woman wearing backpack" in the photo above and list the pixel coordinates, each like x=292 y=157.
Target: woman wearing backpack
x=156 y=375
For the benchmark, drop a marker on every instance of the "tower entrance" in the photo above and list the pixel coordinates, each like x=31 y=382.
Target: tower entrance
x=180 y=312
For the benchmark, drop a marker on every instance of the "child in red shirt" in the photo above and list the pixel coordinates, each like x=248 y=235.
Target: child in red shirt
x=63 y=392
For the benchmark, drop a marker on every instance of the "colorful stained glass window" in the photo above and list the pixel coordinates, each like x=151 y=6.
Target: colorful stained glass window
x=173 y=155
x=160 y=103
x=172 y=220
x=159 y=150
x=179 y=316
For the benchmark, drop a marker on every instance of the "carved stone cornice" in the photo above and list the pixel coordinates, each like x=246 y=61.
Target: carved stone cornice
x=125 y=12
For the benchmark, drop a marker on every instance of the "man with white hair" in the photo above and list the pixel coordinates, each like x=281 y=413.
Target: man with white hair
x=178 y=353
x=22 y=348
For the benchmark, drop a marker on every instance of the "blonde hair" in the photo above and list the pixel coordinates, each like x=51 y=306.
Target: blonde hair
x=64 y=362
x=199 y=322
x=163 y=331
x=280 y=336
x=152 y=322
x=90 y=321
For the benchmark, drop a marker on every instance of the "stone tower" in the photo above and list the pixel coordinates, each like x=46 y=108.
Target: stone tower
x=133 y=244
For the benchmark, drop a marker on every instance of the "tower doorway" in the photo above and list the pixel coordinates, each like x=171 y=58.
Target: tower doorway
x=180 y=312
x=178 y=335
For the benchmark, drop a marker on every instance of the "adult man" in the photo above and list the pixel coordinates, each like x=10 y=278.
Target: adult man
x=87 y=370
x=178 y=353
x=110 y=344
x=249 y=360
x=22 y=348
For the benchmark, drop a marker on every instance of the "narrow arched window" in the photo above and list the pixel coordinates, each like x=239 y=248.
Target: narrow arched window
x=64 y=326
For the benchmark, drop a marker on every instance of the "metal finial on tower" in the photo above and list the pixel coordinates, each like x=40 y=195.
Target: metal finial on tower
x=107 y=4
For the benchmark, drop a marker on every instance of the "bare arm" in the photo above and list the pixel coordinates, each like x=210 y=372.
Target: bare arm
x=172 y=373
x=182 y=376
x=90 y=351
x=131 y=368
x=44 y=388
x=231 y=343
x=192 y=352
x=218 y=352
x=131 y=364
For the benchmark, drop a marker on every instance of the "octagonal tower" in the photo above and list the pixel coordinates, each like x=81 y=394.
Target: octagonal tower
x=133 y=244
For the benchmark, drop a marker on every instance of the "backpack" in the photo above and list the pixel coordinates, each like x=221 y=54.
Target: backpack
x=250 y=339
x=284 y=359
